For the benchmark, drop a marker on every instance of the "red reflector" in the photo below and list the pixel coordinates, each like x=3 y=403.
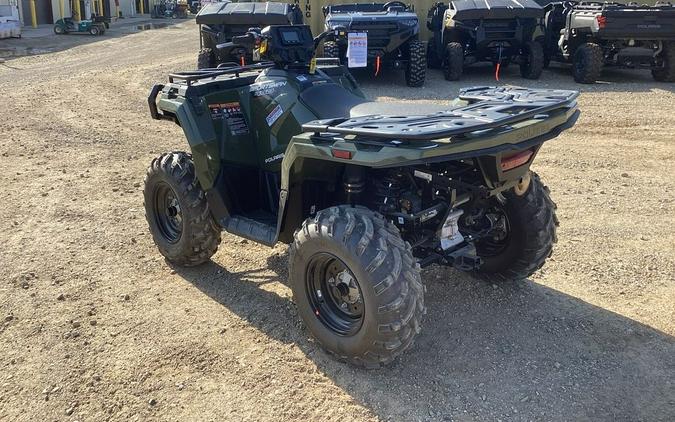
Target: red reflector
x=340 y=153
x=602 y=21
x=517 y=160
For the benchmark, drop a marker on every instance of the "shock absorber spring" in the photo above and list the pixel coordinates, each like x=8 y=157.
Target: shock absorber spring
x=386 y=192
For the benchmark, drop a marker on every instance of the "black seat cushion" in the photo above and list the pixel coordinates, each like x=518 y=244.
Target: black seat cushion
x=395 y=108
x=329 y=100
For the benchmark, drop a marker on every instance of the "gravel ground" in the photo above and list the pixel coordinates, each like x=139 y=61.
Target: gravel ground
x=96 y=326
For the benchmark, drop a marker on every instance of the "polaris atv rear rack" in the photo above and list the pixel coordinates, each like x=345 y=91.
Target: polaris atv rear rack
x=489 y=108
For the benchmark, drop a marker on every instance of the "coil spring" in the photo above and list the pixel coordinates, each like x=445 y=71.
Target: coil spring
x=386 y=192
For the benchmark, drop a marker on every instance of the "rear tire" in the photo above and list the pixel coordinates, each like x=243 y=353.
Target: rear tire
x=416 y=71
x=385 y=298
x=453 y=65
x=177 y=211
x=667 y=72
x=58 y=30
x=531 y=232
x=587 y=63
x=532 y=60
x=94 y=30
x=205 y=59
x=331 y=50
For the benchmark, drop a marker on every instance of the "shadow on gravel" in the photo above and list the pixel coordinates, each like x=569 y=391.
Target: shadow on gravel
x=517 y=351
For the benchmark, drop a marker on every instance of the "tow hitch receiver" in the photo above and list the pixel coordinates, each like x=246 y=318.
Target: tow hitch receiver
x=464 y=258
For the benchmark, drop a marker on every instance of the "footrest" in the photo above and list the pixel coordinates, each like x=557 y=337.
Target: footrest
x=251 y=229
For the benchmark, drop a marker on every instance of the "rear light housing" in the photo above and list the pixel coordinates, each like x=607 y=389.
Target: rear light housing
x=342 y=153
x=516 y=160
x=602 y=21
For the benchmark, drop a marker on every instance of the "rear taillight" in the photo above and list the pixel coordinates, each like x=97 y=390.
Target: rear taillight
x=516 y=160
x=341 y=153
x=602 y=21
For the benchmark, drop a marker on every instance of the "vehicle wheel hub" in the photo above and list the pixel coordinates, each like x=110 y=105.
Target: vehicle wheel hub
x=335 y=294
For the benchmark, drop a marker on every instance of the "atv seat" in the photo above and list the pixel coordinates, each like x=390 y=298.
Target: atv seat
x=395 y=108
x=331 y=101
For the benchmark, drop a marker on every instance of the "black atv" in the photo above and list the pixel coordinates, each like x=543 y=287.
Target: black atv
x=289 y=150
x=392 y=31
x=591 y=35
x=496 y=31
x=220 y=22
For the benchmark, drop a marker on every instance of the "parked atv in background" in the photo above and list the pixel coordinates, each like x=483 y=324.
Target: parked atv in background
x=220 y=22
x=176 y=9
x=169 y=9
x=392 y=37
x=94 y=26
x=591 y=35
x=365 y=193
x=194 y=6
x=496 y=31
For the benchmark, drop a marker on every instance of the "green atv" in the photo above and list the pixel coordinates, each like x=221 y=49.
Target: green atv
x=286 y=151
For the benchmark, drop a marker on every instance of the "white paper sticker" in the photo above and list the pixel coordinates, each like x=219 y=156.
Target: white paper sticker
x=357 y=49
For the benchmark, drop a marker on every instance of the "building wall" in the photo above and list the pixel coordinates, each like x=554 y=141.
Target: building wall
x=56 y=9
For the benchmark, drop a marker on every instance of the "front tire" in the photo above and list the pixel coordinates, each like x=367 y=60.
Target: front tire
x=523 y=235
x=331 y=50
x=94 y=30
x=587 y=63
x=532 y=60
x=666 y=73
x=416 y=70
x=453 y=65
x=205 y=59
x=356 y=285
x=177 y=211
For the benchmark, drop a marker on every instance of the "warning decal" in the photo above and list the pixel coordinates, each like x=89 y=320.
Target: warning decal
x=231 y=113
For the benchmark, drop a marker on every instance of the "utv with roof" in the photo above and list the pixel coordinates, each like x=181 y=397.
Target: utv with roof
x=591 y=35
x=366 y=193
x=392 y=37
x=220 y=22
x=496 y=31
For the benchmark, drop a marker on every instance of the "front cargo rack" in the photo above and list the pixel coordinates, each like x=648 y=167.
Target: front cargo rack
x=489 y=108
x=223 y=69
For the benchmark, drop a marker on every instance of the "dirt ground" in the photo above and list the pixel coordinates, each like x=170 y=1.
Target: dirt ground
x=96 y=326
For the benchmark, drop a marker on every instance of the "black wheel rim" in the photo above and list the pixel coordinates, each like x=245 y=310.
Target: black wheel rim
x=497 y=239
x=334 y=294
x=168 y=213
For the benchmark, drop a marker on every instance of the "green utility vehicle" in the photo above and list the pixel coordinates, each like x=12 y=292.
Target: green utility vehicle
x=94 y=26
x=364 y=193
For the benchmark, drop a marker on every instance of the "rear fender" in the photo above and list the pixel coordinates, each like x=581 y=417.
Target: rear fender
x=312 y=185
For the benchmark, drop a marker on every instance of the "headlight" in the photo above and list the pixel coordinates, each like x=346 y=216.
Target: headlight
x=409 y=22
x=333 y=23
